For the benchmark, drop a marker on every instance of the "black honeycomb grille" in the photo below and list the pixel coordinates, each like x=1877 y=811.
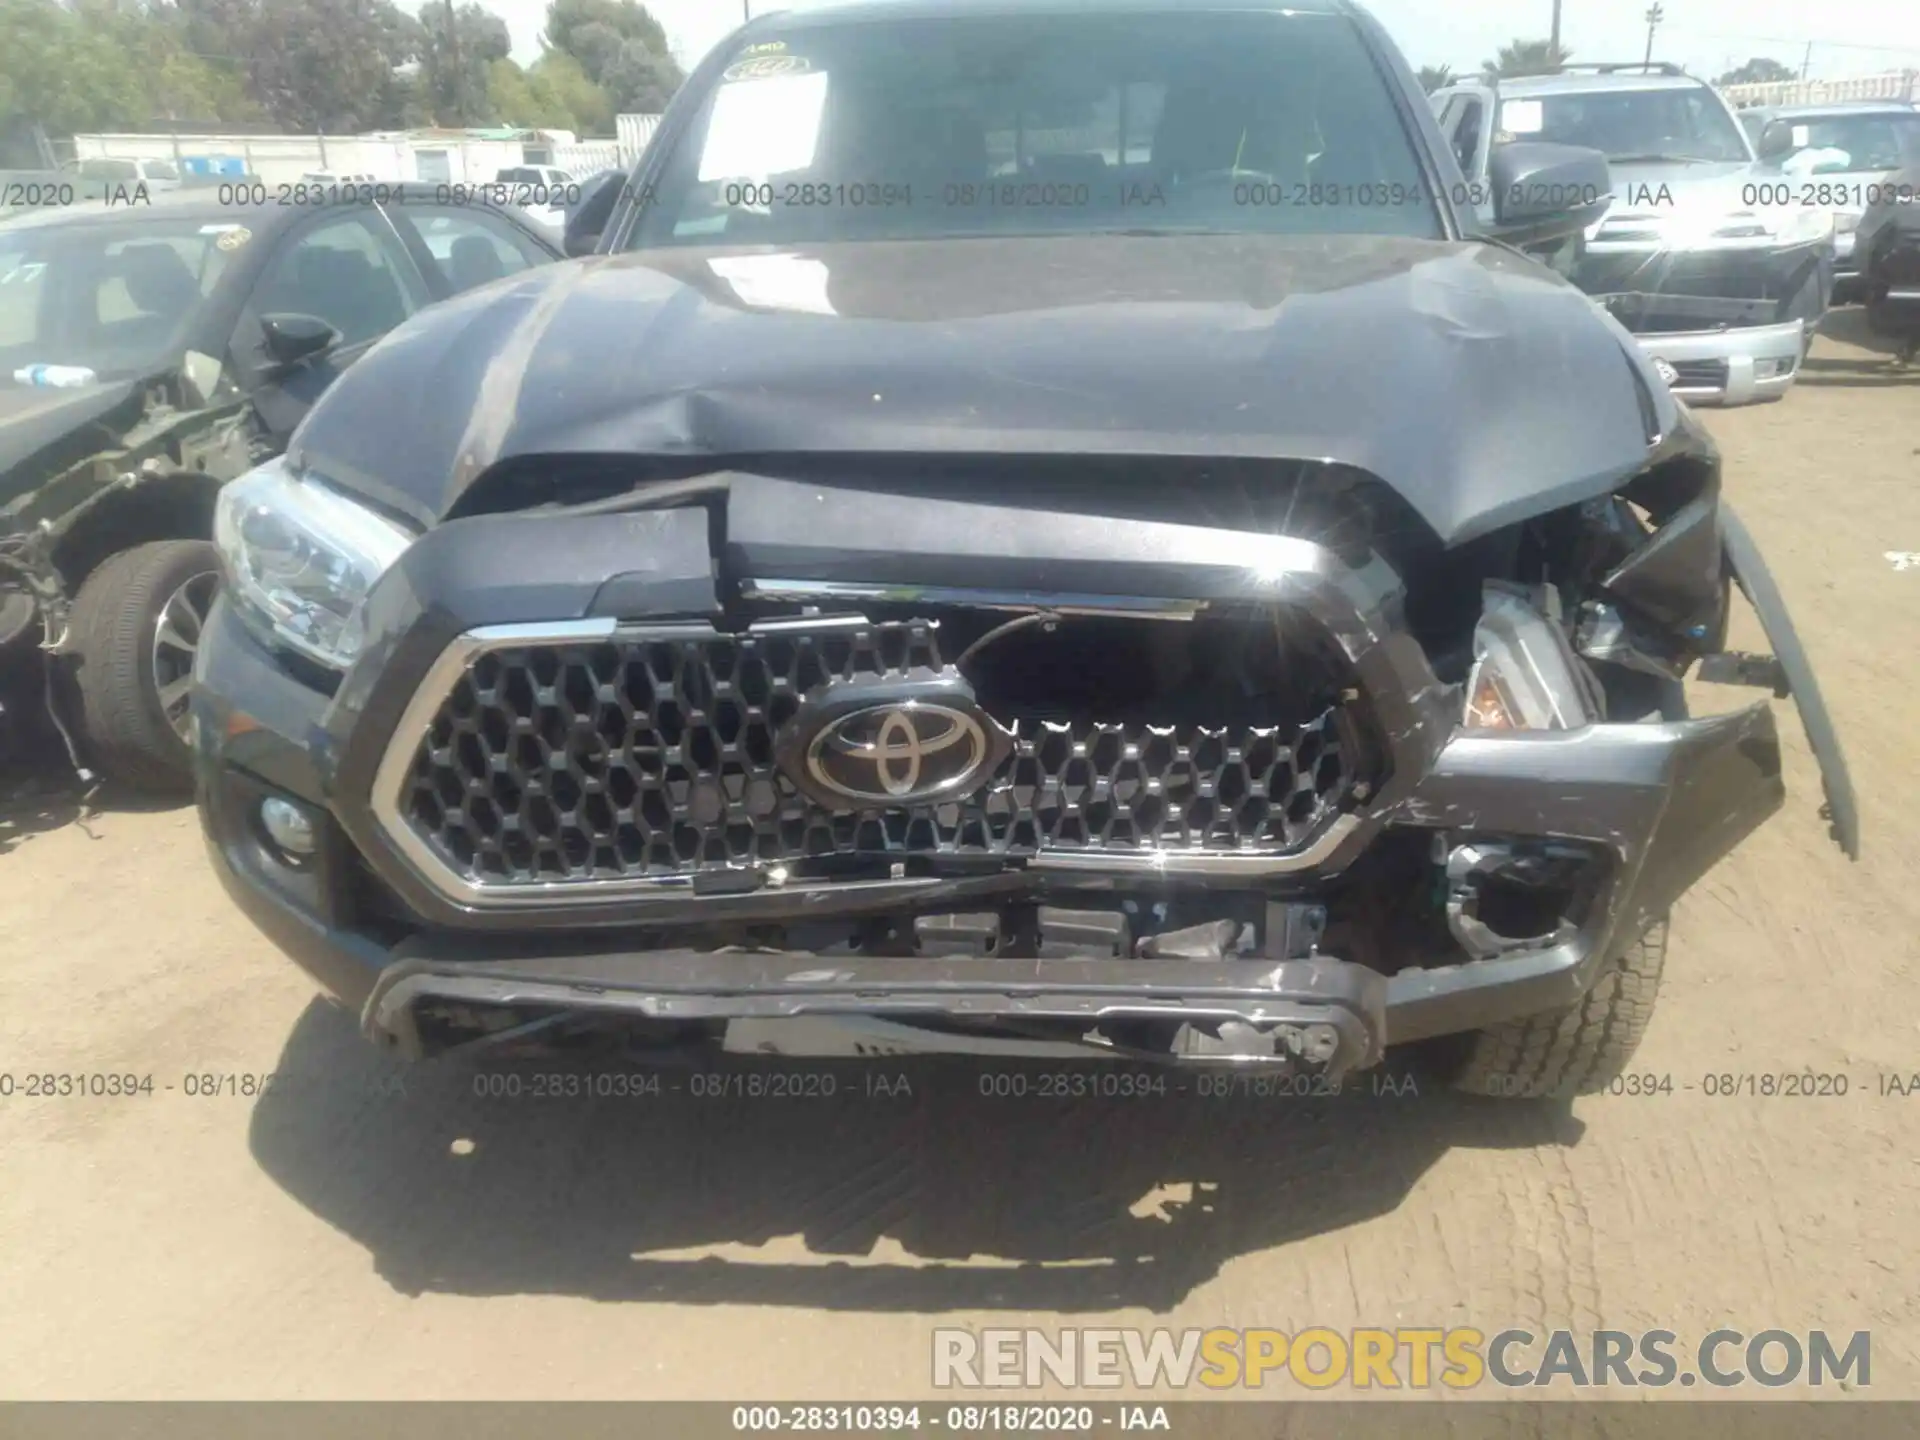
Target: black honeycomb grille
x=652 y=757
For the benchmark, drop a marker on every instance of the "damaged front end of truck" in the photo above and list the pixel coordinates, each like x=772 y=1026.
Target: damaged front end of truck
x=1229 y=762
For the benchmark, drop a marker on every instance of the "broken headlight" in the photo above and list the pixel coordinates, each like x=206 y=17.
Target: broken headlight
x=301 y=557
x=1524 y=676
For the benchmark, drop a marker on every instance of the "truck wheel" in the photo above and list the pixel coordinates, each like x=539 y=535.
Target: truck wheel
x=135 y=629
x=1578 y=1050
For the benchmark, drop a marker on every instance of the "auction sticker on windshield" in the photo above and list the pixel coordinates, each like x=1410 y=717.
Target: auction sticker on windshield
x=765 y=67
x=765 y=128
x=1523 y=117
x=232 y=237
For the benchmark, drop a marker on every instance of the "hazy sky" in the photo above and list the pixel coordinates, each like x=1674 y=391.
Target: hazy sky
x=1705 y=35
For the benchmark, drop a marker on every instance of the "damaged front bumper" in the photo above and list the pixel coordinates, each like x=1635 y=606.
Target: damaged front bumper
x=1107 y=949
x=1662 y=803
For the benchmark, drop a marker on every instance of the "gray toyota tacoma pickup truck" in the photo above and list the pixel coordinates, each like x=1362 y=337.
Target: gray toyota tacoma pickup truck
x=1036 y=529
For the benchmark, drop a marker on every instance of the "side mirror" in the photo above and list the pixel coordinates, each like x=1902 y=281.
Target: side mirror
x=1776 y=141
x=587 y=220
x=292 y=338
x=1544 y=192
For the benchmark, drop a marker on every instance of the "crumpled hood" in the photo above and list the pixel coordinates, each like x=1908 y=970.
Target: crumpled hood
x=1477 y=384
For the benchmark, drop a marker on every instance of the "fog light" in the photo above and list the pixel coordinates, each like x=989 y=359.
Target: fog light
x=289 y=827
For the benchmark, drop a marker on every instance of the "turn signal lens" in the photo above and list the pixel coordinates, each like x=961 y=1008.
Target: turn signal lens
x=1488 y=708
x=1524 y=674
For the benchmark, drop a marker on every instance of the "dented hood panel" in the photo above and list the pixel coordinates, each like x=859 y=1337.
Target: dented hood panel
x=1474 y=382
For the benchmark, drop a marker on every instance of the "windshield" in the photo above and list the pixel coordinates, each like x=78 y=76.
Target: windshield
x=943 y=126
x=109 y=170
x=116 y=298
x=1854 y=142
x=1630 y=125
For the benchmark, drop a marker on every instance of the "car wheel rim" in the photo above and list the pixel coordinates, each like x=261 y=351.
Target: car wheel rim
x=176 y=640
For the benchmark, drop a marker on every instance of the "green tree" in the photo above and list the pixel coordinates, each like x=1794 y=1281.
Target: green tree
x=323 y=64
x=641 y=80
x=571 y=87
x=1527 y=57
x=458 y=53
x=526 y=98
x=58 y=71
x=1759 y=71
x=1435 y=77
x=625 y=18
x=620 y=47
x=111 y=64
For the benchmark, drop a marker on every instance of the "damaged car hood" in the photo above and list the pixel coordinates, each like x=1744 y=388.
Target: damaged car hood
x=1474 y=382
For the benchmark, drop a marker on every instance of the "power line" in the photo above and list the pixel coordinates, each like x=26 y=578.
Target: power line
x=1800 y=40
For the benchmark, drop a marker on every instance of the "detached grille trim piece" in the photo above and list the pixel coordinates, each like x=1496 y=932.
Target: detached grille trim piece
x=394 y=783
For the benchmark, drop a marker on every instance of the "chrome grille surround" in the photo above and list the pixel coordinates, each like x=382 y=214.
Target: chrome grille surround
x=589 y=761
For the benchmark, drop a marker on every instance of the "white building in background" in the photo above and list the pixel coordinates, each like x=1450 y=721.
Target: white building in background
x=1891 y=85
x=436 y=155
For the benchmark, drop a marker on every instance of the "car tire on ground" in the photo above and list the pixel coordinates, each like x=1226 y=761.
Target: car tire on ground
x=1578 y=1050
x=132 y=631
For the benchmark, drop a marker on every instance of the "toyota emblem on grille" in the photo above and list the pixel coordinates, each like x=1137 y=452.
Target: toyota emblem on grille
x=899 y=753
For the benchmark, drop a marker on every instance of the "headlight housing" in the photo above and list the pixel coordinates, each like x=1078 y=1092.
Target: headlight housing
x=301 y=558
x=1524 y=675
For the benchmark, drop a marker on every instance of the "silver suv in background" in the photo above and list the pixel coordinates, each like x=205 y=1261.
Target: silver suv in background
x=1842 y=155
x=1707 y=253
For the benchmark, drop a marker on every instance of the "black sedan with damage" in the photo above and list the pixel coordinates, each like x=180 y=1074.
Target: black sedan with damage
x=151 y=350
x=1039 y=530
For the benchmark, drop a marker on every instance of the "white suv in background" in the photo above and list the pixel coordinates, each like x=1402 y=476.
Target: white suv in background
x=1708 y=253
x=100 y=173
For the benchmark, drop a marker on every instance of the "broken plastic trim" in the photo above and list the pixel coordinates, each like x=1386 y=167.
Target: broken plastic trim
x=1475 y=868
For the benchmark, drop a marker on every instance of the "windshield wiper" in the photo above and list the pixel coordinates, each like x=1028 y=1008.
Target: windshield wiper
x=1659 y=159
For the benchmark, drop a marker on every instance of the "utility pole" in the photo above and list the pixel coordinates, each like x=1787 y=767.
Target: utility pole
x=1655 y=14
x=1553 y=44
x=1806 y=63
x=746 y=12
x=455 y=80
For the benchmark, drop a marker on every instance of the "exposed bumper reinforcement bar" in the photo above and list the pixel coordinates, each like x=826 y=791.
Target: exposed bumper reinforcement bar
x=1337 y=1008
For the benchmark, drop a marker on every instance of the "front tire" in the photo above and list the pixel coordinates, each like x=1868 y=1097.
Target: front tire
x=1578 y=1050
x=135 y=629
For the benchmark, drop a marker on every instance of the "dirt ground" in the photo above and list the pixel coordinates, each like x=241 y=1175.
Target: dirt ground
x=364 y=1230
